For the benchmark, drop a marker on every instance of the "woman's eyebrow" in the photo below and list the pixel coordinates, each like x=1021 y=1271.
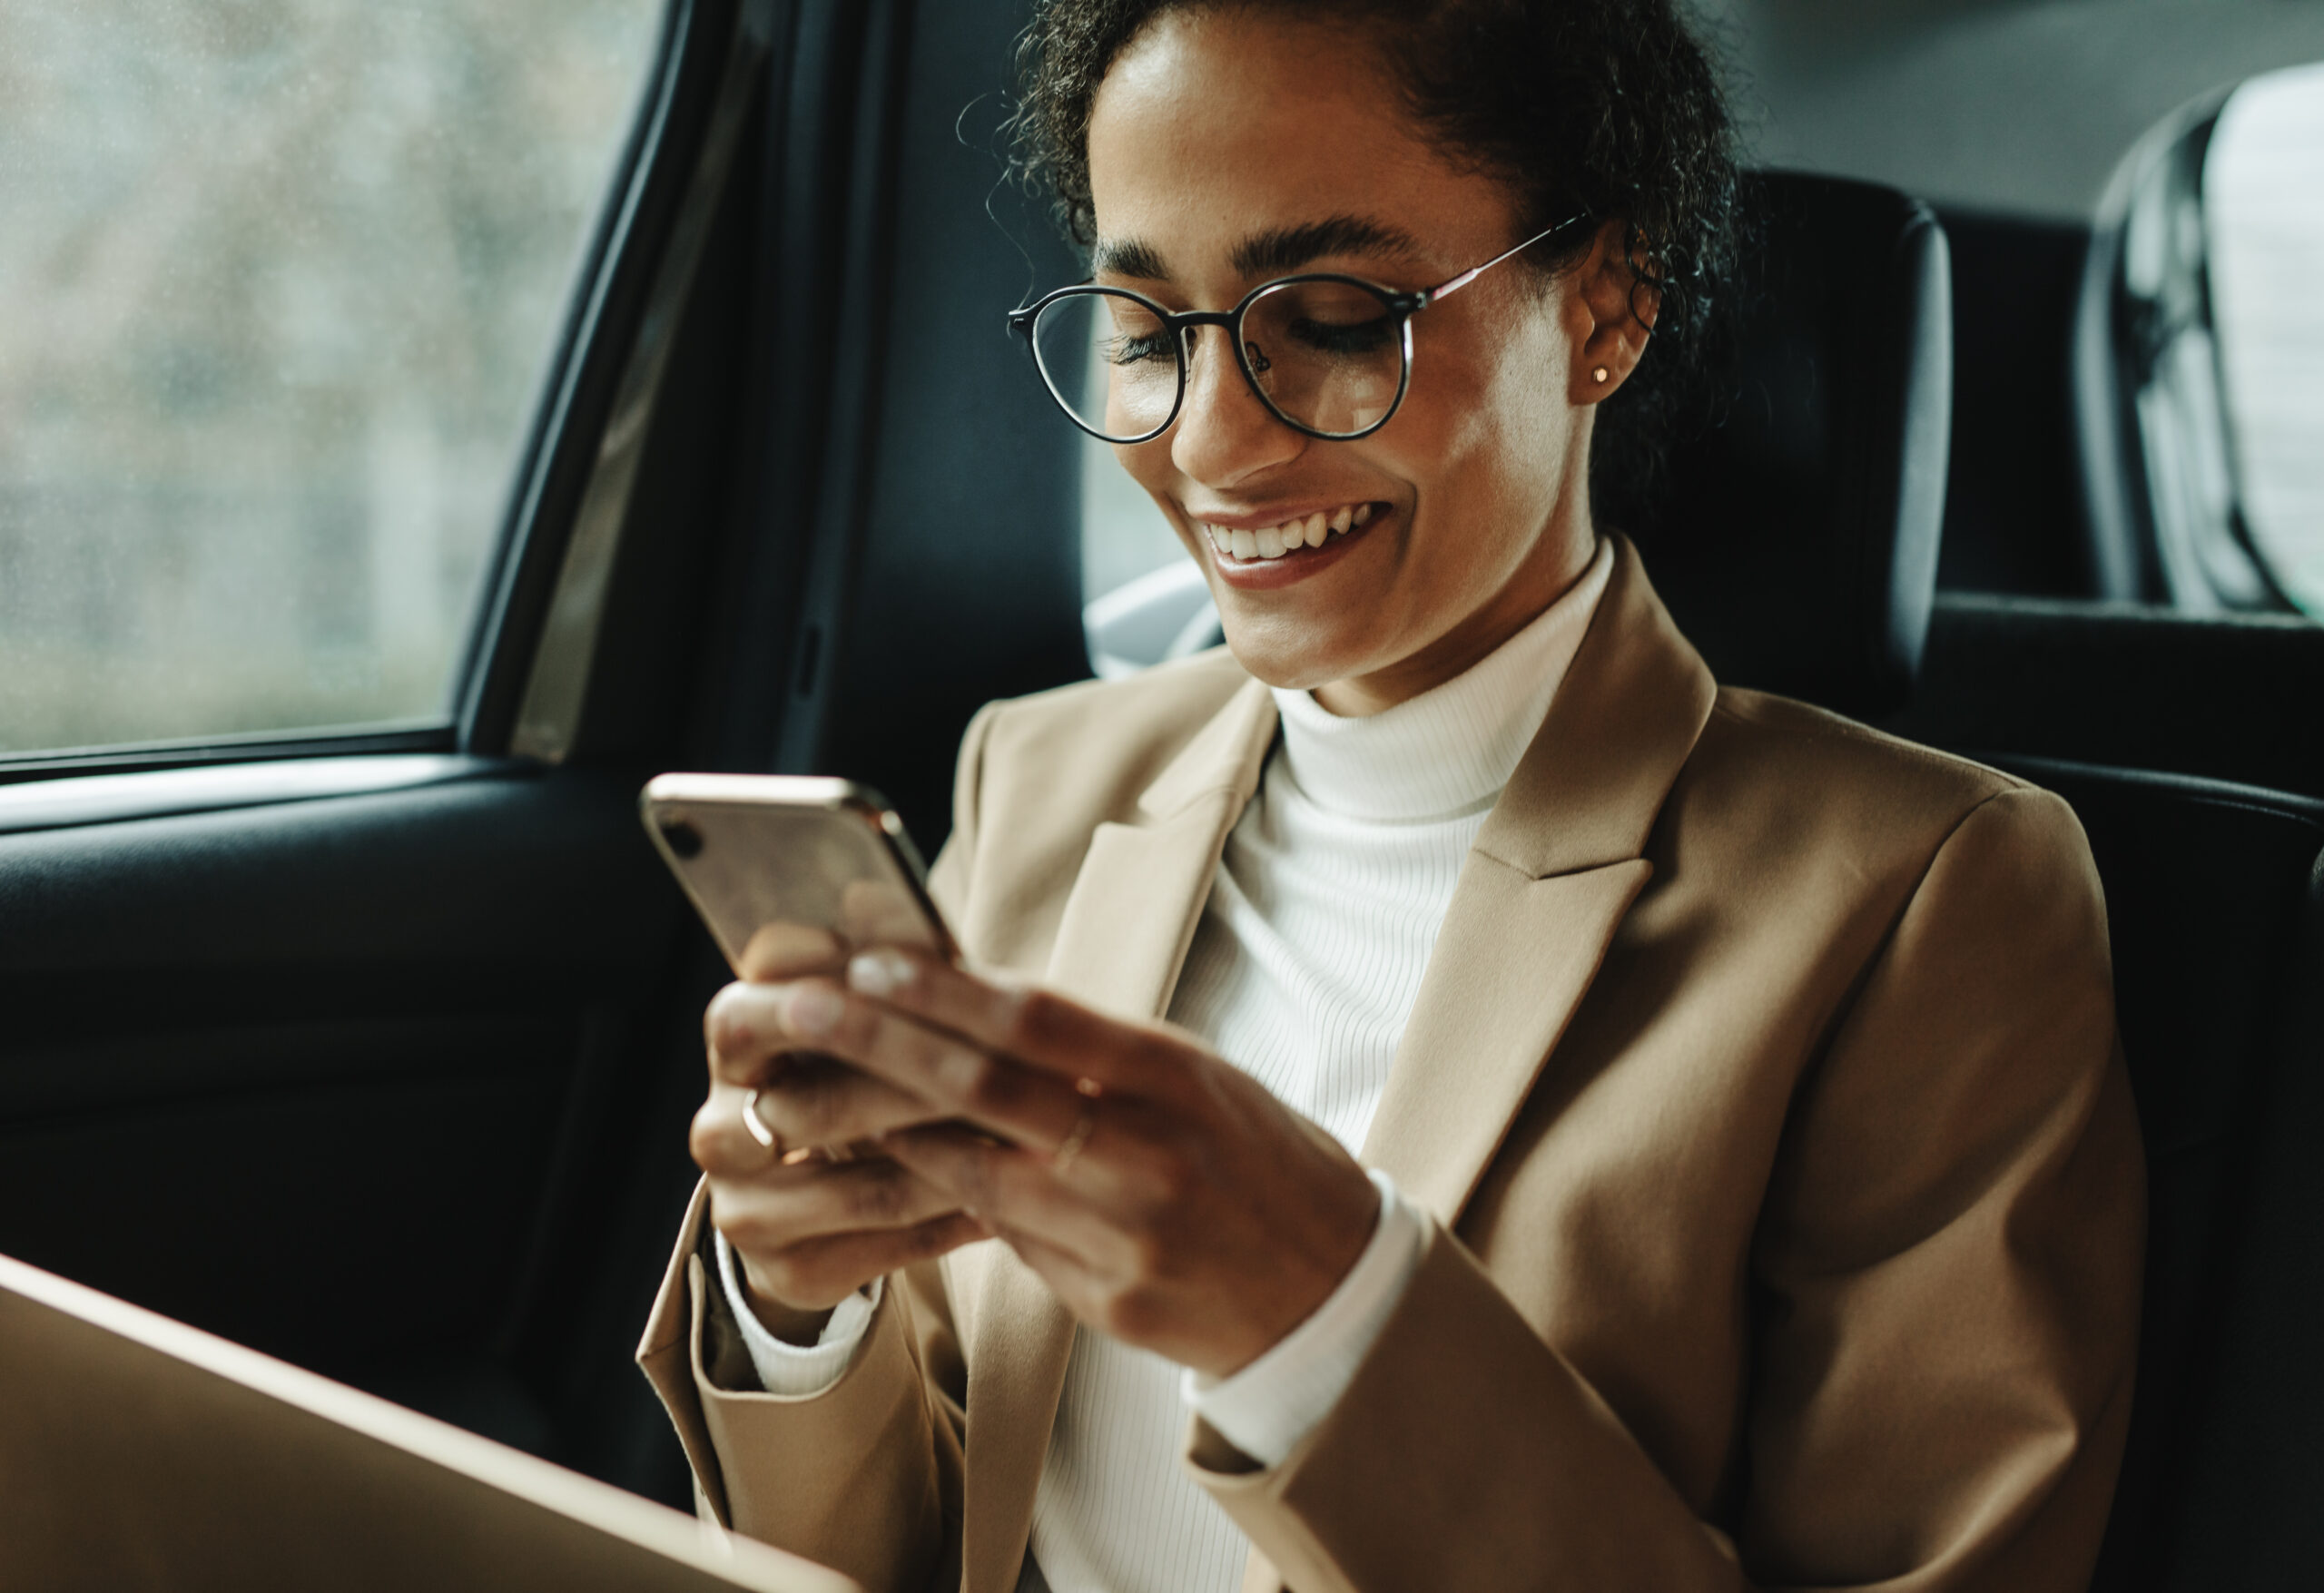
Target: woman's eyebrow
x=1127 y=257
x=1287 y=249
x=1265 y=254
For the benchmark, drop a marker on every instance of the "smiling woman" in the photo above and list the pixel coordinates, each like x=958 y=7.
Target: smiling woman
x=1654 y=167
x=1603 y=1128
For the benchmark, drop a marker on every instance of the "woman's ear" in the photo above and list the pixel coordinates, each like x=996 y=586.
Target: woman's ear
x=1615 y=303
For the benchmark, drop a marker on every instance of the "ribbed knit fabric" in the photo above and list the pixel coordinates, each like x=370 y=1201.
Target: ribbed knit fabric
x=1303 y=972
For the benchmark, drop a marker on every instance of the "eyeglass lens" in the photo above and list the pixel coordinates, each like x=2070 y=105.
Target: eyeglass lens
x=1327 y=356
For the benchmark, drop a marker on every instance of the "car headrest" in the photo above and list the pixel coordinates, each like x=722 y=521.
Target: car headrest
x=1796 y=542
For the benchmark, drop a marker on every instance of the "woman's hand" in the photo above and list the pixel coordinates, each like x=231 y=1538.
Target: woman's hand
x=810 y=1223
x=1164 y=1195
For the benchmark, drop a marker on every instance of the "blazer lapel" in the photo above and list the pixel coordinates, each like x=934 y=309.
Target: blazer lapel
x=1541 y=896
x=1123 y=937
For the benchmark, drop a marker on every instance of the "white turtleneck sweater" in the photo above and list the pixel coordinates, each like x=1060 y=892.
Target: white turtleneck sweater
x=1303 y=972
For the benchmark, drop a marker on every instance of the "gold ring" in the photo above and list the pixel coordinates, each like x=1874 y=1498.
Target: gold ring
x=1084 y=1125
x=755 y=1126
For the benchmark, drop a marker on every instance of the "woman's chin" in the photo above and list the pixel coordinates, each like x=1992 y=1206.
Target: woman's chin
x=1290 y=656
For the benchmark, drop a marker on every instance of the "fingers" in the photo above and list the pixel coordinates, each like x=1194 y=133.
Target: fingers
x=791 y=951
x=819 y=1102
x=1008 y=1187
x=1033 y=1026
x=742 y=1027
x=817 y=1200
x=756 y=1031
x=953 y=1078
x=811 y=1235
x=816 y=1274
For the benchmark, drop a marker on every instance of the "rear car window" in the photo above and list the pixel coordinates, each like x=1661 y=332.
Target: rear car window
x=278 y=288
x=2263 y=207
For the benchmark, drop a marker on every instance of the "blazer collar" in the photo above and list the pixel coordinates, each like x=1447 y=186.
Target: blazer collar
x=1228 y=754
x=1588 y=789
x=1551 y=875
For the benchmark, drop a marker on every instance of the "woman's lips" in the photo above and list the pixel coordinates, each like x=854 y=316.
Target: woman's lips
x=1338 y=531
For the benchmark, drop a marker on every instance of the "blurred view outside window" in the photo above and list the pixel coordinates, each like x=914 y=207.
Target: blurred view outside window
x=1123 y=534
x=279 y=282
x=2263 y=204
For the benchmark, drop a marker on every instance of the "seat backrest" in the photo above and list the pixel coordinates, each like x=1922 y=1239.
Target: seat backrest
x=2212 y=902
x=2248 y=1510
x=1797 y=543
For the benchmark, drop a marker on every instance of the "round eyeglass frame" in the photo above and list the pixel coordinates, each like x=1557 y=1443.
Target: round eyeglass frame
x=1180 y=326
x=1402 y=305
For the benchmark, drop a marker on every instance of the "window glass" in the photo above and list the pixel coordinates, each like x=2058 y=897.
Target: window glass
x=2263 y=203
x=1123 y=534
x=1143 y=599
x=278 y=283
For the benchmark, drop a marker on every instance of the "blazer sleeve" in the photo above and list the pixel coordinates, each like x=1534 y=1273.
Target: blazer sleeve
x=1944 y=1304
x=864 y=1476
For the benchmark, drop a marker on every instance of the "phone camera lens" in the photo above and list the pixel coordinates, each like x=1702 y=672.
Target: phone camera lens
x=684 y=838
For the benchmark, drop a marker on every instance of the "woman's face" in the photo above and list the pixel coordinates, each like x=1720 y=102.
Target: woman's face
x=1227 y=148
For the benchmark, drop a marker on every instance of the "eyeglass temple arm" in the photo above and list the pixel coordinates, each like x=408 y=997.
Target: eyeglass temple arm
x=1447 y=288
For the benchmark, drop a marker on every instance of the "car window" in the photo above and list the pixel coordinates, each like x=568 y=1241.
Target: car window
x=1123 y=534
x=278 y=285
x=2263 y=210
x=1142 y=600
x=2218 y=344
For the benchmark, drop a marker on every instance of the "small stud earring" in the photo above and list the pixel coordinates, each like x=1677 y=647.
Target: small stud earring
x=1601 y=373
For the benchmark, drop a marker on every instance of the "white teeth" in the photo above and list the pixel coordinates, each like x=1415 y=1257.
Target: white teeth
x=1275 y=541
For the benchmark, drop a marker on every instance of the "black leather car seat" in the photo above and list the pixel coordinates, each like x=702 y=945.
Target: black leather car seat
x=2216 y=909
x=1798 y=547
x=1797 y=544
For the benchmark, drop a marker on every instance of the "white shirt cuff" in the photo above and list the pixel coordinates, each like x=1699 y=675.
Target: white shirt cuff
x=1266 y=1409
x=797 y=1371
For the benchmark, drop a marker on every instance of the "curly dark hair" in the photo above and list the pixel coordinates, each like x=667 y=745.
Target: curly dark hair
x=1614 y=107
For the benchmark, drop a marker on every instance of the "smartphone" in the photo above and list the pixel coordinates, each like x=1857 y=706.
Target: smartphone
x=799 y=869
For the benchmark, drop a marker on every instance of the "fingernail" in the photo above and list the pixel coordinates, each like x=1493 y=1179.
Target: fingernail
x=814 y=1010
x=879 y=973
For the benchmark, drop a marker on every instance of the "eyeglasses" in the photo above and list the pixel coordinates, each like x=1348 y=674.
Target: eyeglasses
x=1330 y=356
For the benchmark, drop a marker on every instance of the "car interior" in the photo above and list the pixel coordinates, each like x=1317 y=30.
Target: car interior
x=373 y=1045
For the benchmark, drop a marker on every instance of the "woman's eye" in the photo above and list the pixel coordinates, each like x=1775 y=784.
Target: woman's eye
x=1124 y=349
x=1356 y=336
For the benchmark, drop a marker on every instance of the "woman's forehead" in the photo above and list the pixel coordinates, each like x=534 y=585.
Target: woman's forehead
x=1241 y=139
x=1269 y=250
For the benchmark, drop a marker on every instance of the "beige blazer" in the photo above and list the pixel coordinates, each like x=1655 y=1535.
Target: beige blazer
x=1764 y=1086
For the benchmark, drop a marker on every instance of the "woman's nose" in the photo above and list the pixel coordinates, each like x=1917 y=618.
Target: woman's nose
x=1224 y=434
